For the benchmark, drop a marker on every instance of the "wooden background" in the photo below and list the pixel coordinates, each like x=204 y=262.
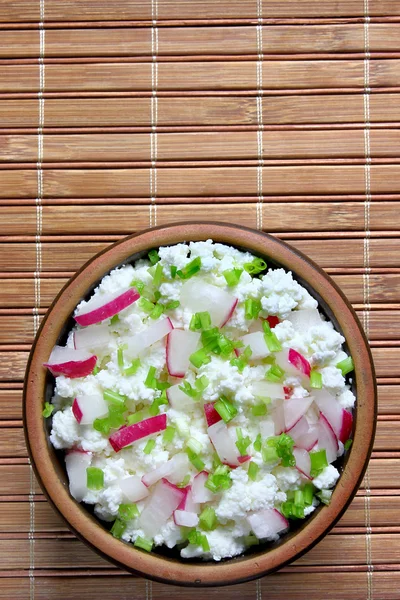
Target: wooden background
x=280 y=115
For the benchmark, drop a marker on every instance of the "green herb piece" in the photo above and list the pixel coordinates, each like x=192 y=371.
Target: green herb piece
x=127 y=512
x=174 y=271
x=95 y=478
x=325 y=496
x=154 y=408
x=149 y=447
x=257 y=265
x=216 y=461
x=316 y=380
x=201 y=383
x=191 y=269
x=137 y=417
x=253 y=470
x=318 y=462
x=308 y=494
x=115 y=319
x=348 y=444
x=172 y=305
x=257 y=445
x=157 y=295
x=135 y=364
x=95 y=370
x=346 y=365
x=271 y=340
x=195 y=459
x=269 y=455
x=232 y=276
x=252 y=308
x=102 y=425
x=219 y=480
x=157 y=276
x=143 y=543
x=118 y=528
x=208 y=519
x=184 y=482
x=199 y=358
x=251 y=540
x=242 y=443
x=194 y=445
x=154 y=257
x=259 y=410
x=120 y=357
x=113 y=397
x=48 y=410
x=283 y=445
x=169 y=434
x=150 y=380
x=157 y=311
x=225 y=409
x=116 y=416
x=292 y=511
x=299 y=498
x=188 y=390
x=275 y=374
x=146 y=305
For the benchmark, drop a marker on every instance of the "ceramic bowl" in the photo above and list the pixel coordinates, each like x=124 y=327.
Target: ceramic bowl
x=163 y=565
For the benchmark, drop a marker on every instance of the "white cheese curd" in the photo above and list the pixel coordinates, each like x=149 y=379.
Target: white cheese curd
x=198 y=427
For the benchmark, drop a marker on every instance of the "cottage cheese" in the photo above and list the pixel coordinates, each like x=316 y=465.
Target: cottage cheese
x=278 y=294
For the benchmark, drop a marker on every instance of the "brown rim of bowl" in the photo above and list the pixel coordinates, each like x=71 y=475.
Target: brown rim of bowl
x=87 y=528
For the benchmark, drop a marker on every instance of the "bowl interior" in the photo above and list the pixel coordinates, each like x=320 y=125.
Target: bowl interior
x=49 y=463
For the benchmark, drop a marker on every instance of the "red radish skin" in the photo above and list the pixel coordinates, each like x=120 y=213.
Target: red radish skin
x=288 y=392
x=87 y=408
x=347 y=426
x=244 y=459
x=298 y=361
x=234 y=305
x=76 y=411
x=211 y=414
x=236 y=351
x=112 y=307
x=273 y=321
x=126 y=435
x=73 y=369
x=327 y=439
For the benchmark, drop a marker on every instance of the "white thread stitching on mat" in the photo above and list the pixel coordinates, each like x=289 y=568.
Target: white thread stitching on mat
x=259 y=79
x=367 y=207
x=153 y=115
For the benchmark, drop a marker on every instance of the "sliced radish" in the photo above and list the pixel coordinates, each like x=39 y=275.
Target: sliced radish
x=268 y=389
x=94 y=338
x=282 y=360
x=224 y=445
x=303 y=320
x=339 y=419
x=190 y=505
x=180 y=345
x=278 y=418
x=243 y=459
x=88 y=408
x=198 y=296
x=76 y=463
x=257 y=343
x=294 y=409
x=200 y=493
x=347 y=426
x=159 y=507
x=142 y=340
x=299 y=362
x=303 y=461
x=256 y=325
x=178 y=399
x=327 y=439
x=267 y=523
x=184 y=518
x=105 y=306
x=272 y=321
x=71 y=363
x=304 y=435
x=174 y=470
x=133 y=489
x=211 y=414
x=126 y=435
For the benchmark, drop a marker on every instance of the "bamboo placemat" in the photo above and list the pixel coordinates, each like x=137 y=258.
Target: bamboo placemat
x=279 y=115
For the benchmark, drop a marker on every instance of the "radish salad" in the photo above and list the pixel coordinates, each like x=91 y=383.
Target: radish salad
x=202 y=399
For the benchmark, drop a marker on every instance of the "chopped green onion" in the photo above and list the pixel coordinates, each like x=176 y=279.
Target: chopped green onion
x=204 y=543
x=318 y=462
x=232 y=276
x=325 y=496
x=157 y=275
x=275 y=374
x=114 y=397
x=95 y=370
x=191 y=269
x=201 y=383
x=146 y=305
x=208 y=519
x=316 y=380
x=115 y=319
x=127 y=512
x=174 y=271
x=172 y=305
x=154 y=257
x=137 y=417
x=135 y=364
x=251 y=540
x=257 y=265
x=169 y=434
x=253 y=470
x=252 y=308
x=346 y=365
x=200 y=320
x=188 y=389
x=116 y=415
x=199 y=358
x=154 y=408
x=269 y=455
x=199 y=539
x=308 y=494
x=195 y=459
x=283 y=445
x=194 y=445
x=150 y=380
x=216 y=461
x=242 y=442
x=259 y=410
x=143 y=543
x=271 y=340
x=219 y=480
x=48 y=409
x=257 y=445
x=120 y=357
x=118 y=528
x=348 y=444
x=225 y=409
x=157 y=295
x=102 y=425
x=299 y=498
x=149 y=447
x=290 y=510
x=95 y=478
x=157 y=311
x=184 y=482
